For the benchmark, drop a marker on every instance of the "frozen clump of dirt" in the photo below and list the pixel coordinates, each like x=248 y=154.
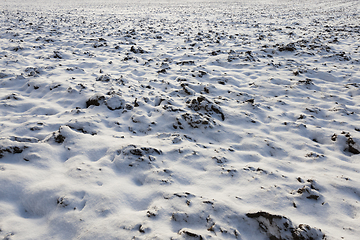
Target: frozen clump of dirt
x=278 y=227
x=196 y=120
x=308 y=192
x=3 y=75
x=104 y=78
x=24 y=139
x=201 y=103
x=95 y=100
x=133 y=156
x=353 y=147
x=115 y=102
x=288 y=47
x=13 y=96
x=186 y=63
x=57 y=137
x=32 y=71
x=139 y=151
x=137 y=50
x=57 y=55
x=11 y=150
x=82 y=126
x=346 y=142
x=190 y=234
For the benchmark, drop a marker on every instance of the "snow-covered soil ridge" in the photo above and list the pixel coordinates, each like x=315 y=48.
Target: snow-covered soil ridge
x=206 y=120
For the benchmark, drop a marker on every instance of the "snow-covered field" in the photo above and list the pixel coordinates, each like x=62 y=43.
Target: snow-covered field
x=180 y=119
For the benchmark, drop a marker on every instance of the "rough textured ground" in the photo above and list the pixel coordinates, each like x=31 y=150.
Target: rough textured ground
x=180 y=120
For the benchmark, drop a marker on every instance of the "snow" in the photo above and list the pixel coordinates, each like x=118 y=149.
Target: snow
x=179 y=119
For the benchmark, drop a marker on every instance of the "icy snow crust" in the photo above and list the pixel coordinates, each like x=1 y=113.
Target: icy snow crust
x=179 y=120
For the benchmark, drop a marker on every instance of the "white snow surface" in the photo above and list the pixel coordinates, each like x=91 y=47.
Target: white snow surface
x=180 y=119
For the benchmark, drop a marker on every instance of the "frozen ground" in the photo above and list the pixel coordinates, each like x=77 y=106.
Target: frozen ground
x=180 y=120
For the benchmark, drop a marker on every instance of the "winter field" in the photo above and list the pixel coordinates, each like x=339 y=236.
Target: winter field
x=180 y=119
